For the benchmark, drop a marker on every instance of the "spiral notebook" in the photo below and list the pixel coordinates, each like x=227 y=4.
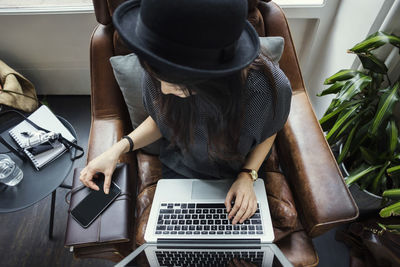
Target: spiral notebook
x=44 y=118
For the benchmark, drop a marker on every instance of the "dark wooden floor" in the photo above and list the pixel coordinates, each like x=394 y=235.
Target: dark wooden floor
x=24 y=234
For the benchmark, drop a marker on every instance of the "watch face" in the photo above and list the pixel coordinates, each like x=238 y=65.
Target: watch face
x=254 y=175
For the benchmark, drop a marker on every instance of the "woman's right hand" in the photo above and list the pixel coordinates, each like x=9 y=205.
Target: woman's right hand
x=104 y=163
x=146 y=133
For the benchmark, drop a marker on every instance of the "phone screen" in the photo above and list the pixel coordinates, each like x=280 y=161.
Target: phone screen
x=94 y=203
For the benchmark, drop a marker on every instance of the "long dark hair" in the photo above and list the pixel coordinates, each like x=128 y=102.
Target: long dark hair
x=223 y=98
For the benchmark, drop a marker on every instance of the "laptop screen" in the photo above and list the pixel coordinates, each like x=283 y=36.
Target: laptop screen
x=154 y=255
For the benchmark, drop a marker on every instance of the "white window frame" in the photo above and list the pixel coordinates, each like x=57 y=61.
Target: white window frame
x=33 y=10
x=285 y=4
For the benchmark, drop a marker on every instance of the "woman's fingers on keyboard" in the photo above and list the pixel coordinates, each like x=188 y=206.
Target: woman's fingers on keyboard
x=242 y=210
x=228 y=200
x=249 y=212
x=236 y=206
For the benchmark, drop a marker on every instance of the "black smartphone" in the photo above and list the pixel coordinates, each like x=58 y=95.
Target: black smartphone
x=94 y=203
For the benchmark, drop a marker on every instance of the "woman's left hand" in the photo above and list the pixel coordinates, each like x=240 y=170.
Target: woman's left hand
x=245 y=199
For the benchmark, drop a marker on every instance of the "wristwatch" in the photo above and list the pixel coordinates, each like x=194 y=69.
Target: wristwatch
x=253 y=173
x=131 y=144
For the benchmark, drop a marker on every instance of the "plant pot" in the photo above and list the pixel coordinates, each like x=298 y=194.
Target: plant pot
x=366 y=201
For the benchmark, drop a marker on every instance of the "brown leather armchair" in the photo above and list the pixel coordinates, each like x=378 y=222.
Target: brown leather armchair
x=305 y=188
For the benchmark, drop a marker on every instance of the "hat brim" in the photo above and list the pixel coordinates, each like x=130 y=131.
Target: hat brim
x=125 y=20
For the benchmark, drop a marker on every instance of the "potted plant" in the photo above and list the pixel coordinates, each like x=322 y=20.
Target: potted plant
x=360 y=120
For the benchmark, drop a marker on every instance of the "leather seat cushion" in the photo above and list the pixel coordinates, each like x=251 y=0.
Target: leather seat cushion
x=280 y=201
x=149 y=170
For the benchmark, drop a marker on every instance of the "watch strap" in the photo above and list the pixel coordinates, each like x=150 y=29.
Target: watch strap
x=131 y=144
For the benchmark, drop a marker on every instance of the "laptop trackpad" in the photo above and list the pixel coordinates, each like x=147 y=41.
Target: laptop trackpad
x=210 y=189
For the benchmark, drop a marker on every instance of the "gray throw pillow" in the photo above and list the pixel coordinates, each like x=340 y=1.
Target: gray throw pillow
x=128 y=73
x=272 y=46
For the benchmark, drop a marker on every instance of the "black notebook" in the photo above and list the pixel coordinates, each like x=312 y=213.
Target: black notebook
x=44 y=118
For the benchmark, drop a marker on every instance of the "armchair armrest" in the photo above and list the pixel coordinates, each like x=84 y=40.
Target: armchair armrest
x=106 y=98
x=110 y=118
x=103 y=134
x=322 y=198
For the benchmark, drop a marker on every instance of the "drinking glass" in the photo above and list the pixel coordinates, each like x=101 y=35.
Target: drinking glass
x=10 y=173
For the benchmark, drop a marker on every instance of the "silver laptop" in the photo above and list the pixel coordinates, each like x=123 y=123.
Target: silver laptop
x=187 y=209
x=188 y=226
x=185 y=254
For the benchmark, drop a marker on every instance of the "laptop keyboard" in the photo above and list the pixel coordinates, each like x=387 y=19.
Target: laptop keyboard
x=207 y=258
x=203 y=219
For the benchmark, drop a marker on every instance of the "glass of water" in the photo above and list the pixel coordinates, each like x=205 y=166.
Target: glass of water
x=10 y=173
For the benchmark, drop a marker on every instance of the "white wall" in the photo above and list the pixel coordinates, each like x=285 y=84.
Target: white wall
x=51 y=50
x=351 y=25
x=302 y=29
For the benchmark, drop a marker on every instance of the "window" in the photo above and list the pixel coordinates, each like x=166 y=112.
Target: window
x=44 y=3
x=298 y=2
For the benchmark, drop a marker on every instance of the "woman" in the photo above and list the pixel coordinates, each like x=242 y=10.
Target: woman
x=214 y=100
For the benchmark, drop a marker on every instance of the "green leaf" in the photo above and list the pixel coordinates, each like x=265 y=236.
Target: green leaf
x=377 y=79
x=346 y=146
x=333 y=115
x=374 y=41
x=383 y=157
x=370 y=62
x=331 y=107
x=353 y=87
x=356 y=176
x=393 y=209
x=385 y=109
x=367 y=179
x=348 y=91
x=378 y=178
x=393 y=135
x=341 y=76
x=382 y=226
x=384 y=182
x=340 y=121
x=349 y=122
x=393 y=170
x=392 y=194
x=393 y=226
x=361 y=136
x=368 y=155
x=334 y=89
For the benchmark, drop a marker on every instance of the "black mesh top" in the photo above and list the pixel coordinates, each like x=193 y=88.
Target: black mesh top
x=258 y=125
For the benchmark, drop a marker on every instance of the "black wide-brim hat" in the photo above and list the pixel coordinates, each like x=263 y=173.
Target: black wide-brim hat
x=231 y=43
